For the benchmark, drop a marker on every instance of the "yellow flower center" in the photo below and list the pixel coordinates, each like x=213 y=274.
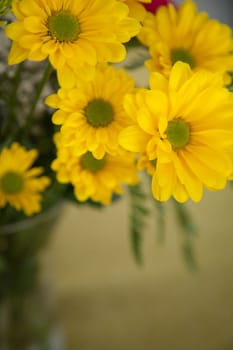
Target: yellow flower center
x=88 y=161
x=178 y=133
x=63 y=26
x=99 y=113
x=182 y=55
x=11 y=182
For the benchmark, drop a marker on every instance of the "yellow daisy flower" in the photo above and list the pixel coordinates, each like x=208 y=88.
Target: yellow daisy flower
x=136 y=8
x=183 y=127
x=92 y=114
x=20 y=185
x=74 y=35
x=96 y=179
x=183 y=34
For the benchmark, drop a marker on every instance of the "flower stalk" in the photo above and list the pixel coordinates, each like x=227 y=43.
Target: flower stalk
x=29 y=117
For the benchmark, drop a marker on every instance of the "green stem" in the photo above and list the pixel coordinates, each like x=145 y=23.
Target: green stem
x=42 y=83
x=11 y=118
x=16 y=83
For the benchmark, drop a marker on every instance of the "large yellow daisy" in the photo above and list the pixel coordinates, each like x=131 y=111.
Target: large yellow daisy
x=20 y=184
x=183 y=34
x=75 y=35
x=92 y=114
x=136 y=8
x=96 y=179
x=183 y=128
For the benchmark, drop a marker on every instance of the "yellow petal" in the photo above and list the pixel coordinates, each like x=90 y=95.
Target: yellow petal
x=186 y=176
x=66 y=77
x=33 y=24
x=163 y=182
x=59 y=117
x=52 y=100
x=133 y=139
x=180 y=193
x=16 y=54
x=209 y=177
x=180 y=73
x=158 y=82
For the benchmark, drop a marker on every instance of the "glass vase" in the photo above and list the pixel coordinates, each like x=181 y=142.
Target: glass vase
x=26 y=312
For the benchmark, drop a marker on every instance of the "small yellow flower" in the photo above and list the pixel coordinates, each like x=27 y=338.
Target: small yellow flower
x=20 y=185
x=184 y=34
x=183 y=129
x=92 y=114
x=136 y=8
x=95 y=179
x=74 y=35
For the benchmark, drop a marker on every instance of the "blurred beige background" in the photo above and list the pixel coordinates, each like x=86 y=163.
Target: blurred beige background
x=105 y=301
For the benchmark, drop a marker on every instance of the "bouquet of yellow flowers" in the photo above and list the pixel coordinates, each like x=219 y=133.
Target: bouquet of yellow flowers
x=76 y=126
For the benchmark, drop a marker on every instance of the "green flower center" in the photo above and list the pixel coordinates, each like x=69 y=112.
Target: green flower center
x=182 y=55
x=178 y=133
x=153 y=162
x=11 y=182
x=88 y=161
x=99 y=113
x=63 y=26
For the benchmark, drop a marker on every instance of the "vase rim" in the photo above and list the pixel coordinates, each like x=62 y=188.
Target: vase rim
x=28 y=223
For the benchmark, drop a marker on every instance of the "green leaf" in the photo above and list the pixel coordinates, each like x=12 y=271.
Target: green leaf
x=184 y=218
x=161 y=222
x=142 y=209
x=136 y=239
x=189 y=230
x=139 y=212
x=189 y=255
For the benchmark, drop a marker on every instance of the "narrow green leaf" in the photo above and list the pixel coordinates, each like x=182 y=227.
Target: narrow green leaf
x=138 y=213
x=189 y=255
x=184 y=218
x=189 y=230
x=161 y=222
x=141 y=209
x=136 y=246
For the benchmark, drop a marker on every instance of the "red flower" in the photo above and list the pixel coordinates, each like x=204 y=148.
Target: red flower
x=153 y=6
